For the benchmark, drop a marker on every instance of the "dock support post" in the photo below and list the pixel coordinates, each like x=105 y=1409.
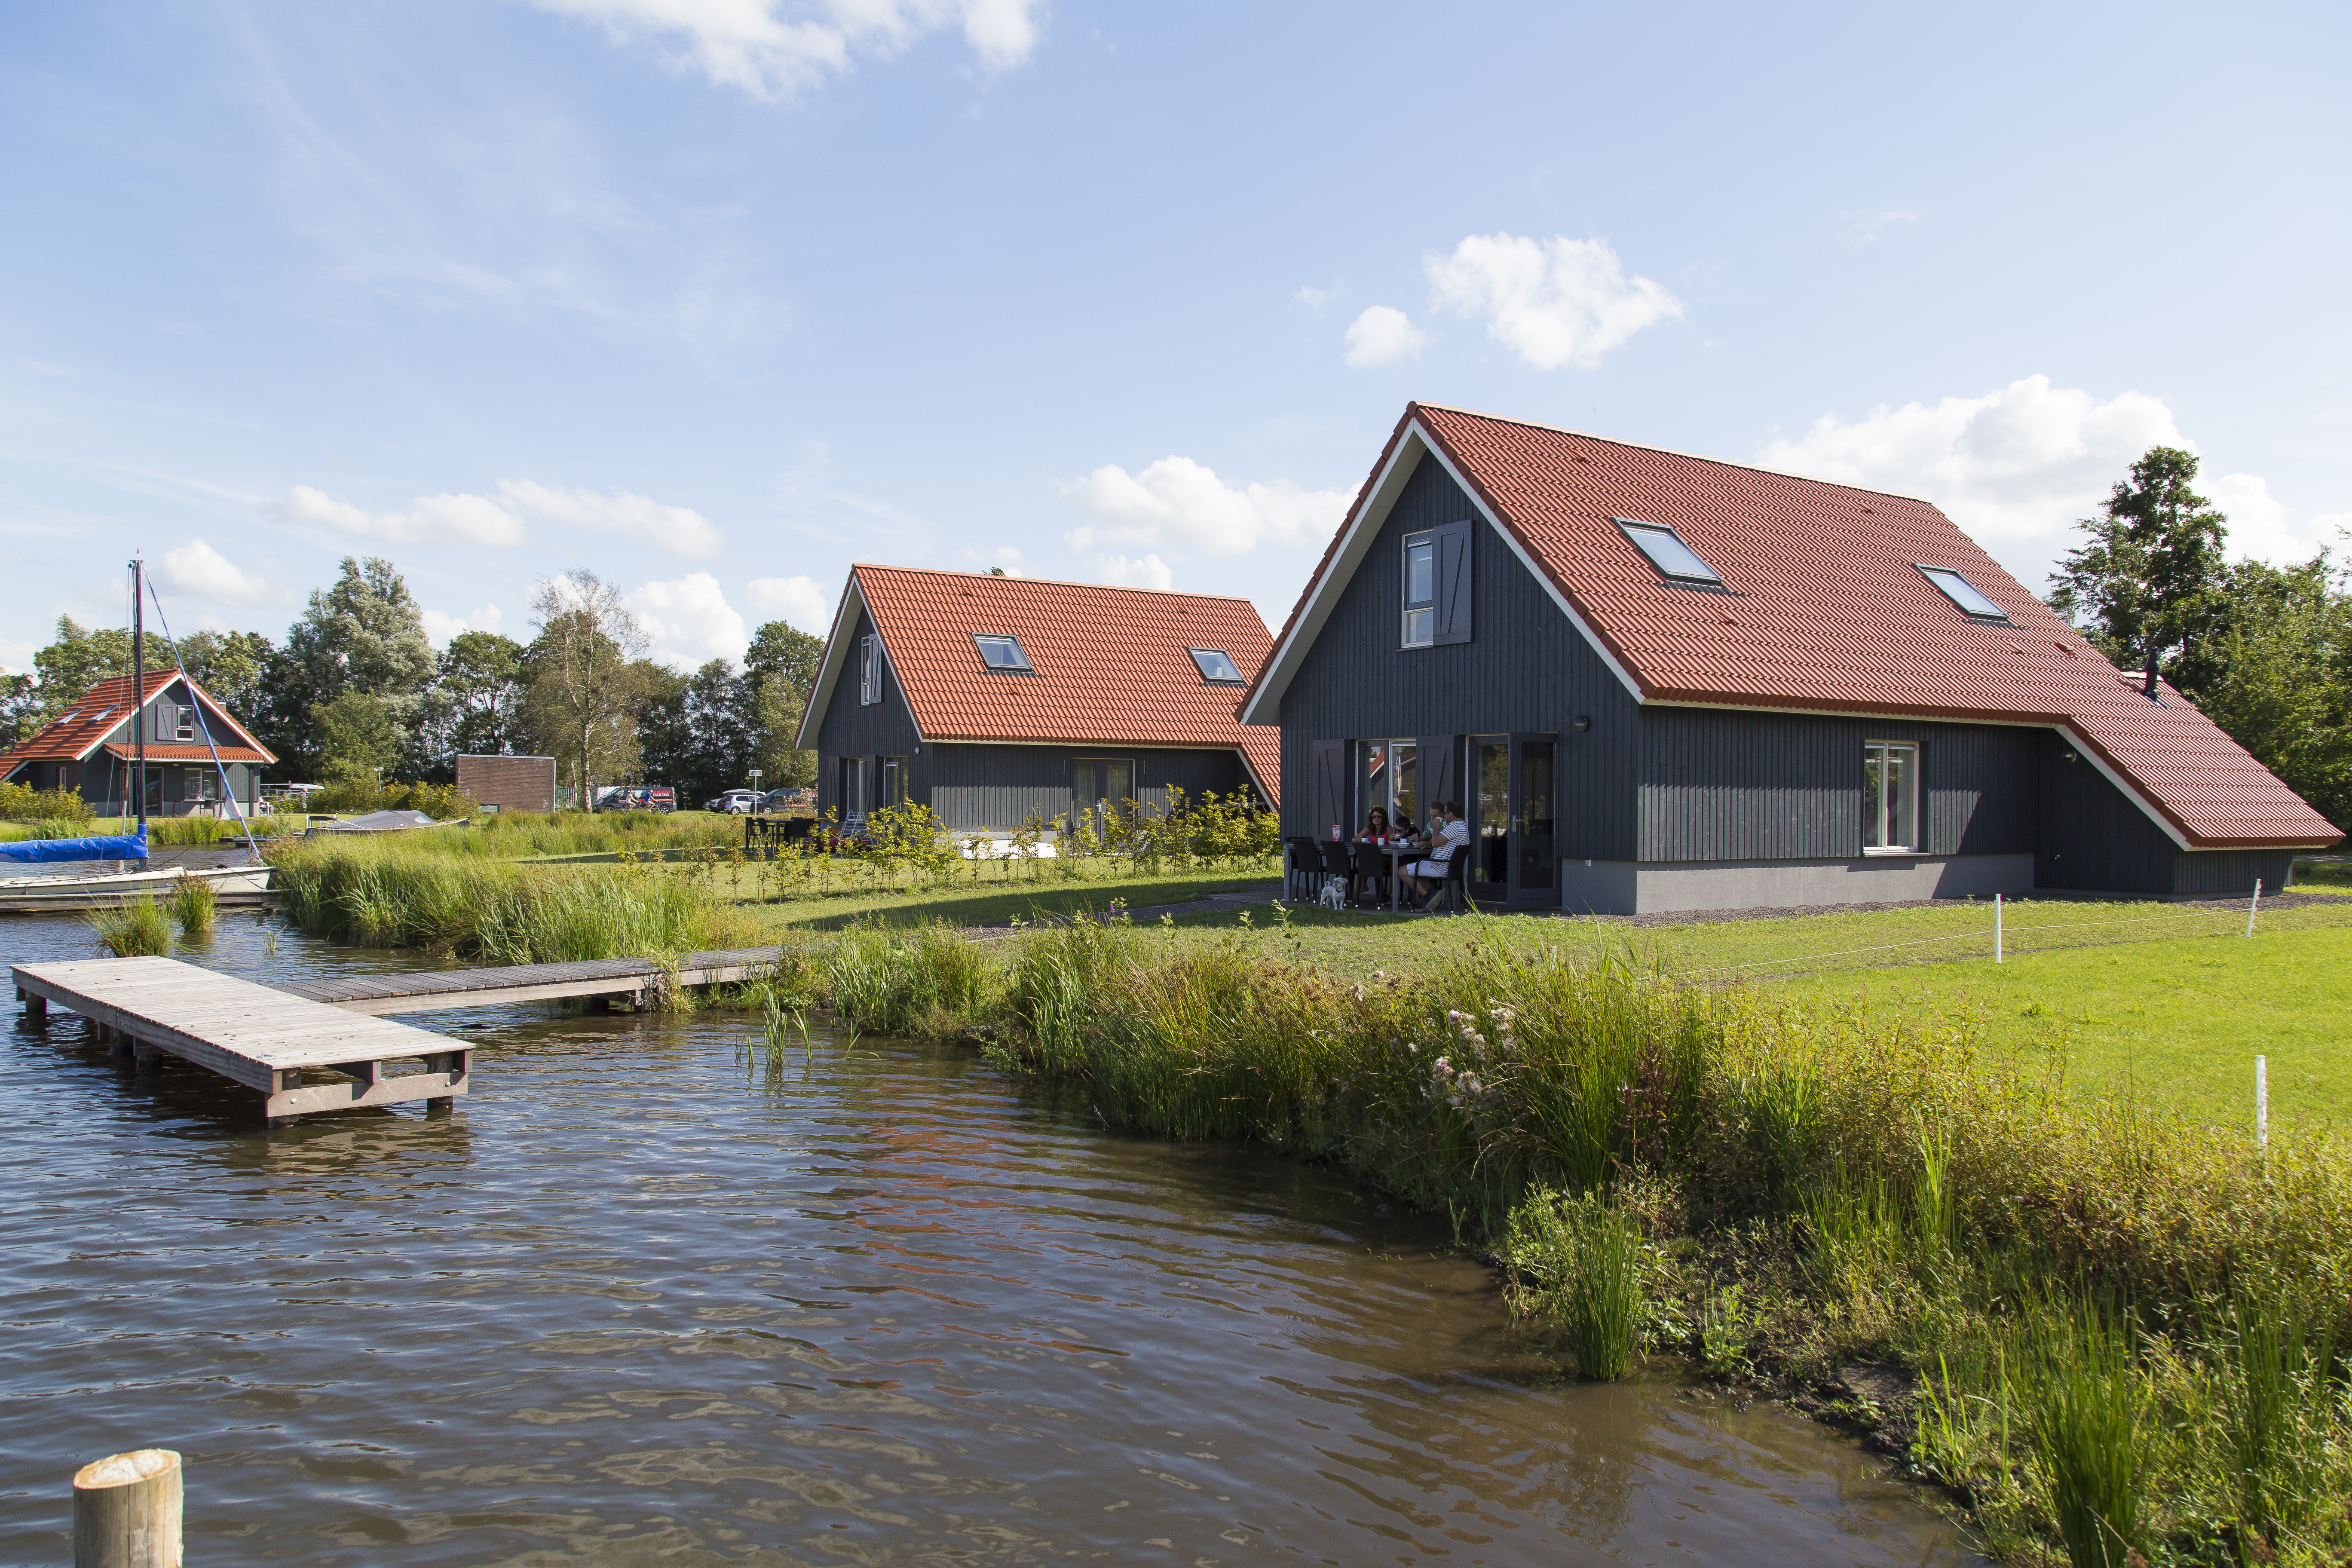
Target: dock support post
x=126 y=1511
x=146 y=1057
x=37 y=1008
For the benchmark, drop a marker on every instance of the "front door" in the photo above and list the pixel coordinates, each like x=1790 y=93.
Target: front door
x=1100 y=787
x=1532 y=857
x=1489 y=811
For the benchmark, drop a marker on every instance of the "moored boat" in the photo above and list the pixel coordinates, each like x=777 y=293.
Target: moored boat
x=236 y=885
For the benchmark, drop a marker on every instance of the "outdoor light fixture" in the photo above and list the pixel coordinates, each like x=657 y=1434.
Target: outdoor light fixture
x=1583 y=724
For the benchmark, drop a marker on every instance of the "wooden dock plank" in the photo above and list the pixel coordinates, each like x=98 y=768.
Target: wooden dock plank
x=254 y=1035
x=441 y=989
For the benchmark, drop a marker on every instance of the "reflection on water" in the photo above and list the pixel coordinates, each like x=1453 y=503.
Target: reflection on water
x=627 y=1306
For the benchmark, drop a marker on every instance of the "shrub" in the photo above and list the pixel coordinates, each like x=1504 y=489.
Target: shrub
x=194 y=902
x=353 y=795
x=21 y=802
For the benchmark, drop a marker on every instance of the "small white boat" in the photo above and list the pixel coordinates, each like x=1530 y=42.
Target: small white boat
x=106 y=889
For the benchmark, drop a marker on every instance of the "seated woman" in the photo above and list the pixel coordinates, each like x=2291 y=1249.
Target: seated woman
x=1376 y=828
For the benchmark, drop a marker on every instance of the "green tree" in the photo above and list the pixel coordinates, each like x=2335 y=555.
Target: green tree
x=581 y=687
x=2142 y=584
x=231 y=666
x=783 y=665
x=364 y=634
x=2275 y=672
x=79 y=659
x=474 y=707
x=356 y=737
x=20 y=709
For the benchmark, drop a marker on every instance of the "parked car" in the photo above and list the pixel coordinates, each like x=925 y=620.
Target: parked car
x=637 y=797
x=783 y=800
x=735 y=802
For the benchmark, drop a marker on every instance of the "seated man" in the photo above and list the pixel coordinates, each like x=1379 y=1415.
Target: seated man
x=1448 y=834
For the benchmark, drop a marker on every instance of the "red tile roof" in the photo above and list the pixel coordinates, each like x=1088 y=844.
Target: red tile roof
x=1111 y=665
x=1828 y=612
x=102 y=712
x=159 y=751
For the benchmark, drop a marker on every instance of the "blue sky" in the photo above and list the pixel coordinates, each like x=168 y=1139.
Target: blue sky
x=716 y=297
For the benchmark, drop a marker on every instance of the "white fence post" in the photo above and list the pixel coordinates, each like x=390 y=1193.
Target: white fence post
x=2252 y=904
x=2262 y=1102
x=1996 y=928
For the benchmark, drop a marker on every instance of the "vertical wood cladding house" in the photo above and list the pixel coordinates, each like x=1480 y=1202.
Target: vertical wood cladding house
x=92 y=747
x=997 y=701
x=1656 y=682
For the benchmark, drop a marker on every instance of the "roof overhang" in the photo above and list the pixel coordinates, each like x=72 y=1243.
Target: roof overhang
x=837 y=659
x=1413 y=442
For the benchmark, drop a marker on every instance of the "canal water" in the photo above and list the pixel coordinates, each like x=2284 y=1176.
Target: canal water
x=634 y=1304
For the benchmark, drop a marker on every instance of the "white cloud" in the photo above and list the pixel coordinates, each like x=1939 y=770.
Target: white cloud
x=1556 y=302
x=1311 y=297
x=196 y=568
x=677 y=529
x=439 y=627
x=1177 y=502
x=1382 y=335
x=1147 y=571
x=799 y=600
x=746 y=43
x=2263 y=528
x=16 y=657
x=430 y=520
x=690 y=621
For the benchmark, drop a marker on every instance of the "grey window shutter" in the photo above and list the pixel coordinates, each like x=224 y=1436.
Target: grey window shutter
x=1436 y=775
x=1452 y=542
x=1329 y=795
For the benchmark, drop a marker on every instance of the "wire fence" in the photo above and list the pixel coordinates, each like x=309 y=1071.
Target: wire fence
x=2000 y=939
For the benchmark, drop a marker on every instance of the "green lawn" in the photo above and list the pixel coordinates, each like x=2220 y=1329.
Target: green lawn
x=999 y=894
x=2147 y=999
x=2177 y=1022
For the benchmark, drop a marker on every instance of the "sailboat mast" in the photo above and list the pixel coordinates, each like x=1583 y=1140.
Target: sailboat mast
x=139 y=685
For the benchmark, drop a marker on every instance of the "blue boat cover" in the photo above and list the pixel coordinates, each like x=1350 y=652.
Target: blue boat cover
x=120 y=847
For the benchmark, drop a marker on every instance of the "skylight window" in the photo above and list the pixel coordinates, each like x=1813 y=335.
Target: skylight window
x=1963 y=593
x=70 y=717
x=1216 y=664
x=1674 y=559
x=1002 y=653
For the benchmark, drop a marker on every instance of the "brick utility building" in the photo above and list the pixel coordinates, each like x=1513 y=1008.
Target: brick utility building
x=1657 y=682
x=996 y=700
x=93 y=747
x=507 y=783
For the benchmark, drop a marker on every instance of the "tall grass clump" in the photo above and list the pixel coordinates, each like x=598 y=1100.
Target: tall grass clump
x=929 y=981
x=195 y=903
x=2090 y=1411
x=1584 y=1265
x=397 y=894
x=136 y=927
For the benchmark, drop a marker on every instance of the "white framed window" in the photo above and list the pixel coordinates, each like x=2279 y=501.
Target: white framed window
x=1002 y=653
x=1890 y=797
x=202 y=783
x=1420 y=589
x=1963 y=593
x=1217 y=666
x=183 y=723
x=869 y=669
x=1675 y=559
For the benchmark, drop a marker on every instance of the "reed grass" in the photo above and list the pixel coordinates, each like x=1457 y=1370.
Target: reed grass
x=402 y=894
x=195 y=903
x=1586 y=1266
x=137 y=928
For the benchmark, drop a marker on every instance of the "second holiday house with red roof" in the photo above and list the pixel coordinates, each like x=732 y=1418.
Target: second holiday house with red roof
x=1656 y=682
x=998 y=701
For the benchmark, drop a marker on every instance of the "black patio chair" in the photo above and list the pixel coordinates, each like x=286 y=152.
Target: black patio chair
x=1339 y=863
x=796 y=831
x=1457 y=891
x=1303 y=866
x=1374 y=867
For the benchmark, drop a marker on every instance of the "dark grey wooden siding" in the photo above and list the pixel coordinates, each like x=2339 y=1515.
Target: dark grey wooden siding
x=855 y=729
x=2098 y=839
x=978 y=785
x=1526 y=667
x=1727 y=785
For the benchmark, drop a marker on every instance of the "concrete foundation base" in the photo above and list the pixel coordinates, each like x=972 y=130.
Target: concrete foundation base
x=1646 y=888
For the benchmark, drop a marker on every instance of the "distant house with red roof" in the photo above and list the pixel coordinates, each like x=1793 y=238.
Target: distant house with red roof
x=999 y=701
x=1659 y=682
x=93 y=747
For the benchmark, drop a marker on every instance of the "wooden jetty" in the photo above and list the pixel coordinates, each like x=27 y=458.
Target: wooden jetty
x=635 y=980
x=265 y=1038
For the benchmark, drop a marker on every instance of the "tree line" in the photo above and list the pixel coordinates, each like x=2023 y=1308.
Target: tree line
x=357 y=692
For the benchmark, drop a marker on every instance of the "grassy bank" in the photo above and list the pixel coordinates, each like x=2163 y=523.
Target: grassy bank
x=402 y=894
x=2107 y=1331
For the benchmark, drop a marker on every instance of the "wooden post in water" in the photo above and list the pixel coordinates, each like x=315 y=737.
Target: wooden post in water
x=127 y=1511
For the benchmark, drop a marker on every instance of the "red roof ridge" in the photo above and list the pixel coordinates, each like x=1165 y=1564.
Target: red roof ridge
x=1052 y=582
x=1666 y=451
